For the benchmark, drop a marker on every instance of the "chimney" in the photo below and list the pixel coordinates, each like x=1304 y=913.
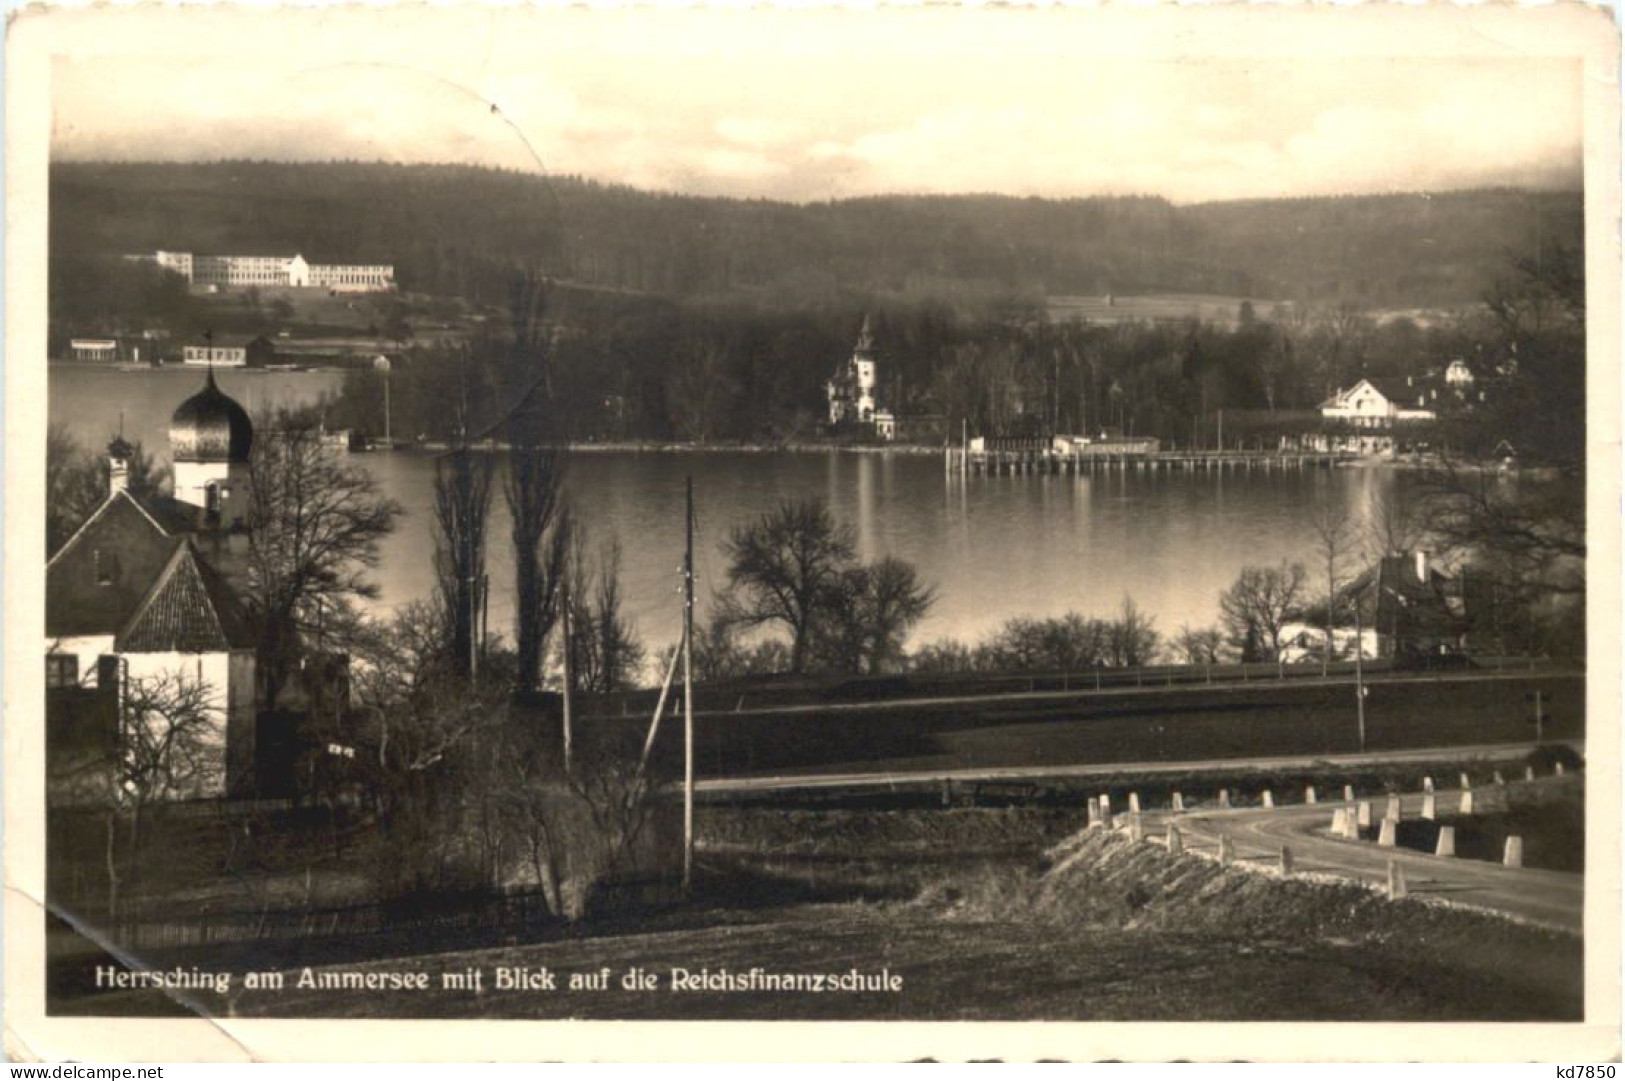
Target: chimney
x=1421 y=558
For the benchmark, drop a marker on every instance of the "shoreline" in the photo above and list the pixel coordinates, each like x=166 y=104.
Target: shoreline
x=636 y=447
x=912 y=450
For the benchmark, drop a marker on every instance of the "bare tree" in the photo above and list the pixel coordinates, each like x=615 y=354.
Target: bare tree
x=605 y=653
x=1034 y=645
x=1337 y=547
x=866 y=618
x=462 y=501
x=76 y=482
x=470 y=793
x=72 y=489
x=1132 y=638
x=314 y=525
x=782 y=569
x=171 y=745
x=699 y=390
x=1536 y=526
x=1524 y=540
x=534 y=486
x=424 y=724
x=720 y=655
x=1198 y=645
x=533 y=489
x=1396 y=524
x=1258 y=605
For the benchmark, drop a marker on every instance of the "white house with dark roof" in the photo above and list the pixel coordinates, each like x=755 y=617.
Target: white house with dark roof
x=1378 y=403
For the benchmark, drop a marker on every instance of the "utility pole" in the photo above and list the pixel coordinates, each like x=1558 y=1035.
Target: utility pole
x=485 y=615
x=381 y=364
x=1359 y=671
x=472 y=586
x=568 y=648
x=688 y=689
x=1055 y=394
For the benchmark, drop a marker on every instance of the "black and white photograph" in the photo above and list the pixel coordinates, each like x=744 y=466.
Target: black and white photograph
x=827 y=515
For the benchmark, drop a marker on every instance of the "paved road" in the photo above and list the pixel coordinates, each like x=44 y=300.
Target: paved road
x=873 y=779
x=1552 y=898
x=1086 y=693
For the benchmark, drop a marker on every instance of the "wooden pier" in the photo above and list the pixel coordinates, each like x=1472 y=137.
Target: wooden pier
x=961 y=460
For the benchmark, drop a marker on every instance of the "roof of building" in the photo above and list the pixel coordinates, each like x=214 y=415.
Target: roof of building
x=229 y=341
x=95 y=581
x=866 y=341
x=132 y=571
x=172 y=515
x=1413 y=603
x=210 y=427
x=1394 y=388
x=283 y=254
x=189 y=609
x=1402 y=391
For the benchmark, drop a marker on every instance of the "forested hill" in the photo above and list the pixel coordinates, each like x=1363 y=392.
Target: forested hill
x=453 y=229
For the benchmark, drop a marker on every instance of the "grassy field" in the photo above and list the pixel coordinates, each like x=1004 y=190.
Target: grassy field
x=980 y=915
x=1148 y=725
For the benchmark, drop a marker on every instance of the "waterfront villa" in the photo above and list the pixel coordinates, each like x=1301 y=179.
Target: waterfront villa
x=851 y=390
x=1378 y=403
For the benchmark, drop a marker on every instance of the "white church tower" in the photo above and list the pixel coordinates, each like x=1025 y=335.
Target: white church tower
x=852 y=390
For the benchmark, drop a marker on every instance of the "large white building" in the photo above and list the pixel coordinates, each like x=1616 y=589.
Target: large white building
x=352 y=279
x=292 y=271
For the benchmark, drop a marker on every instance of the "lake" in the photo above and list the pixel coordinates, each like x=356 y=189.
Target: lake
x=994 y=547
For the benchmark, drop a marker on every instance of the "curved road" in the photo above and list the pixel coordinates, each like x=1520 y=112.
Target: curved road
x=1552 y=898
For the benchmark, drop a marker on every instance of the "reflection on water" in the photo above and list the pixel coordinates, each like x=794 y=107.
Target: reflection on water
x=994 y=547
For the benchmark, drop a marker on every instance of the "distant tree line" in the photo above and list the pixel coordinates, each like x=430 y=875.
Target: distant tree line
x=460 y=230
x=739 y=371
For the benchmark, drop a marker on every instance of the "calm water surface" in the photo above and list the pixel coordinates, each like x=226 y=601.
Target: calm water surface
x=995 y=547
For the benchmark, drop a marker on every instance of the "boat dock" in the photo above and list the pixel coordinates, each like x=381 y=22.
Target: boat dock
x=961 y=460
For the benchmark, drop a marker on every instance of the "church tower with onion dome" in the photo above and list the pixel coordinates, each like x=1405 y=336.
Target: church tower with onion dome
x=210 y=437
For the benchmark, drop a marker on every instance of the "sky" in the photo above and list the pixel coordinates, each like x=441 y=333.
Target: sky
x=829 y=112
